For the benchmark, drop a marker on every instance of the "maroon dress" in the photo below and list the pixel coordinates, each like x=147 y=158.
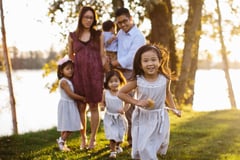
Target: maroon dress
x=88 y=69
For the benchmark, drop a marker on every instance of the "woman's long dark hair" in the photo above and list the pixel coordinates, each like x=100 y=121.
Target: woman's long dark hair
x=94 y=33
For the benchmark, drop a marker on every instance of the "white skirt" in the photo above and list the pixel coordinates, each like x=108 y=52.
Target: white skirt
x=68 y=116
x=115 y=126
x=150 y=133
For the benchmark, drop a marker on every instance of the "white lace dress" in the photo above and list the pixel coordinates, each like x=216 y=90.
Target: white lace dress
x=68 y=114
x=115 y=124
x=150 y=127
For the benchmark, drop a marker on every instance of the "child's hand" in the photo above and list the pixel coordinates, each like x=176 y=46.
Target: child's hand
x=143 y=103
x=177 y=112
x=121 y=111
x=83 y=99
x=114 y=37
x=174 y=110
x=151 y=103
x=102 y=106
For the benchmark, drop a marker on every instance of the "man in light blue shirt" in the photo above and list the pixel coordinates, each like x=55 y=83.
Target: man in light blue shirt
x=130 y=38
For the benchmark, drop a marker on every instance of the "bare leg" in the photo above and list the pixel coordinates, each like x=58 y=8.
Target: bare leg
x=95 y=121
x=65 y=135
x=62 y=141
x=82 y=110
x=112 y=146
x=118 y=144
x=129 y=119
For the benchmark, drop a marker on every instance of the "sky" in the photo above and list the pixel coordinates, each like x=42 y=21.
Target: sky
x=27 y=26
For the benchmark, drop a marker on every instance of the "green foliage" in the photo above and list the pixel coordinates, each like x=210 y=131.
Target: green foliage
x=49 y=67
x=195 y=136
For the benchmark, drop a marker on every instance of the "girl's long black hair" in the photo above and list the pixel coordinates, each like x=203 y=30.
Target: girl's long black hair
x=163 y=56
x=114 y=72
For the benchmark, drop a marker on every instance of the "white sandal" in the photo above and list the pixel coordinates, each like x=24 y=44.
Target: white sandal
x=113 y=155
x=62 y=144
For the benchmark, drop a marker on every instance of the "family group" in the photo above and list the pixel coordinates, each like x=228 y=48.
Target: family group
x=122 y=75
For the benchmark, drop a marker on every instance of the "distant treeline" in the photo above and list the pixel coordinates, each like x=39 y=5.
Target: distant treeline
x=28 y=63
x=25 y=63
x=37 y=62
x=28 y=60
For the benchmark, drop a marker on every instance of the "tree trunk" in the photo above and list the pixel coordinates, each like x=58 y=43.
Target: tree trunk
x=8 y=72
x=225 y=60
x=117 y=4
x=185 y=87
x=160 y=14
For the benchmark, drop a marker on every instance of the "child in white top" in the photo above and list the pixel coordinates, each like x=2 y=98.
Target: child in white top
x=150 y=122
x=115 y=123
x=68 y=114
x=110 y=39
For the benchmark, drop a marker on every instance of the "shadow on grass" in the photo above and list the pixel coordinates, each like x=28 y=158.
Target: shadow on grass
x=200 y=136
x=210 y=136
x=41 y=145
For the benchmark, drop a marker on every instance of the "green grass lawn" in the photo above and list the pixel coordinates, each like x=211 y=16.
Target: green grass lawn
x=195 y=136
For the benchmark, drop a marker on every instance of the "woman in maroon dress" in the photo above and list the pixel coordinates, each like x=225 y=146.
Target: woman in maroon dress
x=86 y=50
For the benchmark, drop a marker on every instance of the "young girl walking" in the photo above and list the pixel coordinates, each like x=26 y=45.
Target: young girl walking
x=68 y=114
x=150 y=122
x=115 y=123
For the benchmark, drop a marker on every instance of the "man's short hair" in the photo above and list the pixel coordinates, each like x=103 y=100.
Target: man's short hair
x=122 y=11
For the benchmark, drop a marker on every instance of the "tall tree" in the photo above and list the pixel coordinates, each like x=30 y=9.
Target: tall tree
x=185 y=87
x=225 y=59
x=8 y=67
x=160 y=15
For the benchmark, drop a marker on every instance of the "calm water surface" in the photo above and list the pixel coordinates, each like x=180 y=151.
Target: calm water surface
x=37 y=108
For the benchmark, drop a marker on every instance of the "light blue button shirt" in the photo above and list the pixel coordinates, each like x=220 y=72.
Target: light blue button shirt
x=128 y=44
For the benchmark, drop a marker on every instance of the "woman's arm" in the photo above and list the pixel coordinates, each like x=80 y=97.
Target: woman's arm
x=70 y=48
x=105 y=60
x=64 y=85
x=102 y=104
x=103 y=54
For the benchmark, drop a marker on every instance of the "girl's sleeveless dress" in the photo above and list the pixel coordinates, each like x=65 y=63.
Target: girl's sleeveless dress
x=150 y=127
x=115 y=124
x=68 y=114
x=88 y=69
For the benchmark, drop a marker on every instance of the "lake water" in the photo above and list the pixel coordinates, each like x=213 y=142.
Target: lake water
x=37 y=108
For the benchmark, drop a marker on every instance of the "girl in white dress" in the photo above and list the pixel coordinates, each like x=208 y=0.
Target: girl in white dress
x=115 y=123
x=150 y=122
x=68 y=114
